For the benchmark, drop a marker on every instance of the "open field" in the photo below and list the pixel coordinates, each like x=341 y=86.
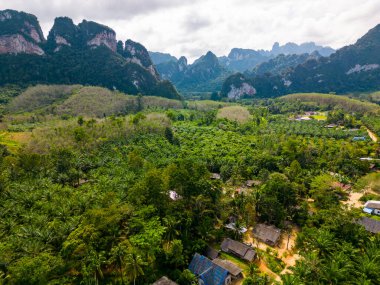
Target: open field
x=345 y=103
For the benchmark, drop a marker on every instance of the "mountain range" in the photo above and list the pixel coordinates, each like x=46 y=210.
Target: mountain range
x=354 y=68
x=208 y=73
x=87 y=54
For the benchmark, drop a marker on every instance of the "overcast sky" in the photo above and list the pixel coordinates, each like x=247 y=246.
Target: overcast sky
x=192 y=27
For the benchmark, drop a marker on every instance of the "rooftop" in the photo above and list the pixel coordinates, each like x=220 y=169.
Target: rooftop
x=209 y=272
x=164 y=281
x=240 y=249
x=215 y=176
x=266 y=233
x=229 y=266
x=372 y=204
x=212 y=253
x=370 y=225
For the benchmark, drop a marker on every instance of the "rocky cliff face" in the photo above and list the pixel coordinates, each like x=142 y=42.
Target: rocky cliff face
x=71 y=55
x=20 y=33
x=97 y=35
x=182 y=63
x=15 y=44
x=138 y=54
x=86 y=34
x=104 y=38
x=63 y=33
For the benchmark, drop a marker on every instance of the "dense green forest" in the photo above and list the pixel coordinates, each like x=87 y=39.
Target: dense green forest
x=85 y=184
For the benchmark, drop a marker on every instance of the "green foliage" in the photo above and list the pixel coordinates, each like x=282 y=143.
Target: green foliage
x=98 y=67
x=87 y=200
x=336 y=251
x=38 y=269
x=76 y=100
x=187 y=278
x=369 y=182
x=40 y=96
x=339 y=102
x=277 y=199
x=373 y=123
x=367 y=197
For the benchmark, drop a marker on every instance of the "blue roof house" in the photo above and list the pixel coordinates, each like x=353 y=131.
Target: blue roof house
x=359 y=139
x=207 y=272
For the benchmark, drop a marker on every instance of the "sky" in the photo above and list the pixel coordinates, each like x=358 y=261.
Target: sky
x=193 y=27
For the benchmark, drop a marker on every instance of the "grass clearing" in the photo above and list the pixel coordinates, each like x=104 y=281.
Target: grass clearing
x=243 y=265
x=206 y=105
x=342 y=102
x=319 y=117
x=234 y=113
x=13 y=141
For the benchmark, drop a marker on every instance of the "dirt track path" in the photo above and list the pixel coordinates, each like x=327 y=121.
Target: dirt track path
x=264 y=268
x=372 y=135
x=284 y=251
x=353 y=200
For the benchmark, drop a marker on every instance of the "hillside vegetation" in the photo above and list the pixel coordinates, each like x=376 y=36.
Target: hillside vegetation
x=338 y=102
x=41 y=96
x=90 y=101
x=77 y=100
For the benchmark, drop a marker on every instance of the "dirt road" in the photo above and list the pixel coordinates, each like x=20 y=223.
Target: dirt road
x=372 y=135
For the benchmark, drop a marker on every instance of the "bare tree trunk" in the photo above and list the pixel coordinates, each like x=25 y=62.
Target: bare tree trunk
x=287 y=245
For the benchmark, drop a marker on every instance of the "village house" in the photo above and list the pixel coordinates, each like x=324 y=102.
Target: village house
x=238 y=249
x=164 y=281
x=371 y=225
x=233 y=269
x=372 y=207
x=215 y=176
x=232 y=226
x=215 y=272
x=366 y=159
x=359 y=139
x=252 y=183
x=268 y=234
x=342 y=186
x=174 y=195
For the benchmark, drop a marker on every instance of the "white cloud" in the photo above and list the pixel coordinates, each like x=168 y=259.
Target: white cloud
x=191 y=28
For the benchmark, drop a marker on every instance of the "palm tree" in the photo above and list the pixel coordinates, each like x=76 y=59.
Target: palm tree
x=252 y=269
x=134 y=264
x=171 y=230
x=117 y=256
x=338 y=269
x=289 y=279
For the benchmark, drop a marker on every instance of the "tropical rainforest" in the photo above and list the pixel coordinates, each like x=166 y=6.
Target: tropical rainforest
x=86 y=176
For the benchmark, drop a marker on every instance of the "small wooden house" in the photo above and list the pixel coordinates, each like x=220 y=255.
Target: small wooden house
x=372 y=207
x=164 y=281
x=215 y=176
x=238 y=249
x=371 y=225
x=267 y=233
